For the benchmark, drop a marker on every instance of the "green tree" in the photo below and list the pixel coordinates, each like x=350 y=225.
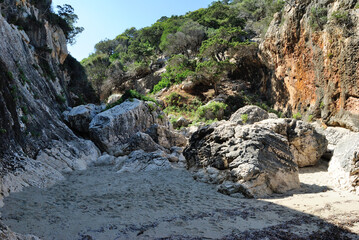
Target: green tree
x=66 y=12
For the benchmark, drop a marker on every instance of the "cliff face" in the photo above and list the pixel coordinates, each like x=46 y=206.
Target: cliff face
x=312 y=51
x=37 y=84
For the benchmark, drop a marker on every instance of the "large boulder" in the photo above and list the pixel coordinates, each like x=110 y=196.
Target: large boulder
x=80 y=117
x=344 y=165
x=256 y=159
x=249 y=114
x=111 y=130
x=306 y=144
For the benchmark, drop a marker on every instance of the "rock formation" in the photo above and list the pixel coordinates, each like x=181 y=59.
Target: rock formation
x=35 y=145
x=256 y=159
x=312 y=51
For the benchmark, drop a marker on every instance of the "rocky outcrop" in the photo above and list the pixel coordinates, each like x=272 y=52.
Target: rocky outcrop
x=256 y=159
x=35 y=145
x=306 y=144
x=80 y=117
x=6 y=233
x=344 y=165
x=114 y=129
x=311 y=48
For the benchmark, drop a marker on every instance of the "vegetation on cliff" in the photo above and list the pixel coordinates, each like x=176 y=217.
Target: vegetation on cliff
x=198 y=45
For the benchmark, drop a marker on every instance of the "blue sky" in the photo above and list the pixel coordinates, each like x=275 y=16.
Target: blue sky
x=108 y=18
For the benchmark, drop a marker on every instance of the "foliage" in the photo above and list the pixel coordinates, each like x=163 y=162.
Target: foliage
x=213 y=107
x=297 y=116
x=341 y=17
x=318 y=17
x=310 y=118
x=244 y=118
x=66 y=13
x=3 y=131
x=179 y=67
x=60 y=99
x=130 y=94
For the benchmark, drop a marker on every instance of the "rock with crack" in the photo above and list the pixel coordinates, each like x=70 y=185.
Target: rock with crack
x=139 y=161
x=80 y=117
x=344 y=165
x=254 y=157
x=306 y=144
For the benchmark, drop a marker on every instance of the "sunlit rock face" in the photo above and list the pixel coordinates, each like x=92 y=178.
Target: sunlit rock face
x=312 y=51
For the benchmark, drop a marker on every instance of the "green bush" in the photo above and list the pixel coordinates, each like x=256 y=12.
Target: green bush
x=130 y=94
x=2 y=130
x=340 y=16
x=310 y=118
x=60 y=99
x=213 y=107
x=244 y=118
x=297 y=116
x=318 y=17
x=24 y=119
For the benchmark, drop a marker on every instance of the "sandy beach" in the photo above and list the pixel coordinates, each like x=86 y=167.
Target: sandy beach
x=101 y=204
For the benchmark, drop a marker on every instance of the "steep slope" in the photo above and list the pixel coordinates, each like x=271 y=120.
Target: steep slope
x=34 y=89
x=312 y=51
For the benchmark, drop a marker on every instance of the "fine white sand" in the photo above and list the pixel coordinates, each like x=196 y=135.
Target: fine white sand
x=100 y=204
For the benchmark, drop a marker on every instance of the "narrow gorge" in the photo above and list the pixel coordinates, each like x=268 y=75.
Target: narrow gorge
x=224 y=123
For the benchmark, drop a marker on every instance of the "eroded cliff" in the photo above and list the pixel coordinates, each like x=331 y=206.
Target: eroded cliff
x=38 y=81
x=312 y=51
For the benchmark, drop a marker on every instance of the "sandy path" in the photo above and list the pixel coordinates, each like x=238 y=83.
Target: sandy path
x=100 y=204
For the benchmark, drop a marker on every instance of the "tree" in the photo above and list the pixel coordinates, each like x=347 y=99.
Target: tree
x=66 y=12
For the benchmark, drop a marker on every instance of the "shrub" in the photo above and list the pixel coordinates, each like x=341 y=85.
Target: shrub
x=318 y=17
x=2 y=130
x=297 y=116
x=24 y=119
x=310 y=118
x=212 y=107
x=60 y=99
x=340 y=16
x=130 y=94
x=244 y=118
x=10 y=75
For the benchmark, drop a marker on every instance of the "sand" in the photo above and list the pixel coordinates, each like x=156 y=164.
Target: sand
x=101 y=204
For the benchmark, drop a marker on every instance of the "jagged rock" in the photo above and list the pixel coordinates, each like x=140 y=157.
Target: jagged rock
x=69 y=156
x=249 y=114
x=118 y=124
x=306 y=144
x=79 y=117
x=139 y=161
x=253 y=156
x=344 y=165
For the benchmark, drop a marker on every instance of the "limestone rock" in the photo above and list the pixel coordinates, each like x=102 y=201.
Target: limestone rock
x=105 y=160
x=79 y=117
x=139 y=161
x=307 y=71
x=253 y=156
x=6 y=233
x=344 y=165
x=69 y=156
x=249 y=114
x=306 y=144
x=118 y=124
